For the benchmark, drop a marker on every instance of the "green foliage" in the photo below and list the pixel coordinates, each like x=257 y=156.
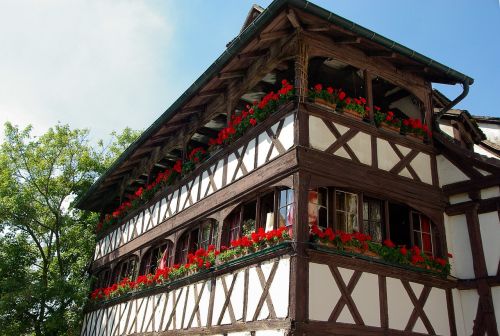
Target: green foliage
x=46 y=244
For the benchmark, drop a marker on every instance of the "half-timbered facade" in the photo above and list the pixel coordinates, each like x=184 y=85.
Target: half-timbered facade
x=304 y=164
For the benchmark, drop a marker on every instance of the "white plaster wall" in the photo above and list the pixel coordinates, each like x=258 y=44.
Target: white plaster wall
x=467 y=308
x=490 y=236
x=286 y=136
x=446 y=128
x=490 y=192
x=491 y=131
x=495 y=293
x=366 y=298
x=457 y=239
x=361 y=146
x=387 y=158
x=436 y=311
x=459 y=198
x=399 y=304
x=422 y=166
x=448 y=173
x=323 y=292
x=320 y=136
x=479 y=150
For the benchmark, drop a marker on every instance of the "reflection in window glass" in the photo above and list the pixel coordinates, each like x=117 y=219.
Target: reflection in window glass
x=318 y=207
x=422 y=233
x=372 y=218
x=286 y=208
x=346 y=211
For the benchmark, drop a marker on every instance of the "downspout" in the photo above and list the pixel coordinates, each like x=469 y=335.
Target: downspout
x=465 y=85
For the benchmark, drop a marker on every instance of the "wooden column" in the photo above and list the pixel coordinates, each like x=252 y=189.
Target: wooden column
x=299 y=267
x=485 y=321
x=230 y=100
x=301 y=67
x=369 y=92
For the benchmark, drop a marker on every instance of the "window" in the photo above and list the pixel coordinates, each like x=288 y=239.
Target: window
x=318 y=207
x=267 y=211
x=102 y=278
x=232 y=227
x=260 y=213
x=286 y=208
x=125 y=269
x=372 y=218
x=183 y=249
x=201 y=236
x=346 y=211
x=381 y=219
x=152 y=259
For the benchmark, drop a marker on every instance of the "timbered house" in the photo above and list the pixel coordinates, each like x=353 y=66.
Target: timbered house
x=303 y=166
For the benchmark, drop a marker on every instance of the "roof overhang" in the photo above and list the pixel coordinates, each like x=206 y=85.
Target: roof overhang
x=249 y=38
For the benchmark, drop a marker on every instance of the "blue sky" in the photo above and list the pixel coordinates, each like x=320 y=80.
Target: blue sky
x=104 y=65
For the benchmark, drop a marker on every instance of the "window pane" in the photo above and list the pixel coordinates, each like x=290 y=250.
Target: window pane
x=282 y=217
x=340 y=200
x=352 y=222
x=322 y=196
x=416 y=221
x=323 y=217
x=366 y=214
x=290 y=196
x=312 y=208
x=283 y=200
x=341 y=222
x=352 y=203
x=375 y=211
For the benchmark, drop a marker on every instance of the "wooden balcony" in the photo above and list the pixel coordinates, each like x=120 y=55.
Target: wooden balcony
x=254 y=150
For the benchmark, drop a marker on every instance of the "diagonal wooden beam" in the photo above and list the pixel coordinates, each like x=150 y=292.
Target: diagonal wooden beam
x=265 y=291
x=274 y=35
x=294 y=20
x=418 y=307
x=227 y=303
x=346 y=298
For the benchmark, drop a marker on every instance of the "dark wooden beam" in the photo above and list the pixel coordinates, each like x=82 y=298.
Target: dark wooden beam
x=208 y=132
x=294 y=20
x=347 y=40
x=274 y=35
x=253 y=54
x=192 y=110
x=231 y=74
x=414 y=68
x=211 y=93
x=318 y=28
x=381 y=54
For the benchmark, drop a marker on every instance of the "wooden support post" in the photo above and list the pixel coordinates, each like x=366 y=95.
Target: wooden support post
x=485 y=321
x=299 y=274
x=230 y=101
x=301 y=65
x=369 y=93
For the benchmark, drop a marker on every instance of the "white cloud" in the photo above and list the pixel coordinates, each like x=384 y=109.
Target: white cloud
x=95 y=64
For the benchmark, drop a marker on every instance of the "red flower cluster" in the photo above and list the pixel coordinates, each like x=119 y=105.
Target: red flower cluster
x=251 y=115
x=416 y=126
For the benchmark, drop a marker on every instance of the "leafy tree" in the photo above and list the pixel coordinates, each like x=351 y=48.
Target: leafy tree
x=46 y=244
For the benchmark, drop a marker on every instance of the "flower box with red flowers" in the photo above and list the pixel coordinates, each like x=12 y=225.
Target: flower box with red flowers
x=328 y=97
x=358 y=244
x=200 y=262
